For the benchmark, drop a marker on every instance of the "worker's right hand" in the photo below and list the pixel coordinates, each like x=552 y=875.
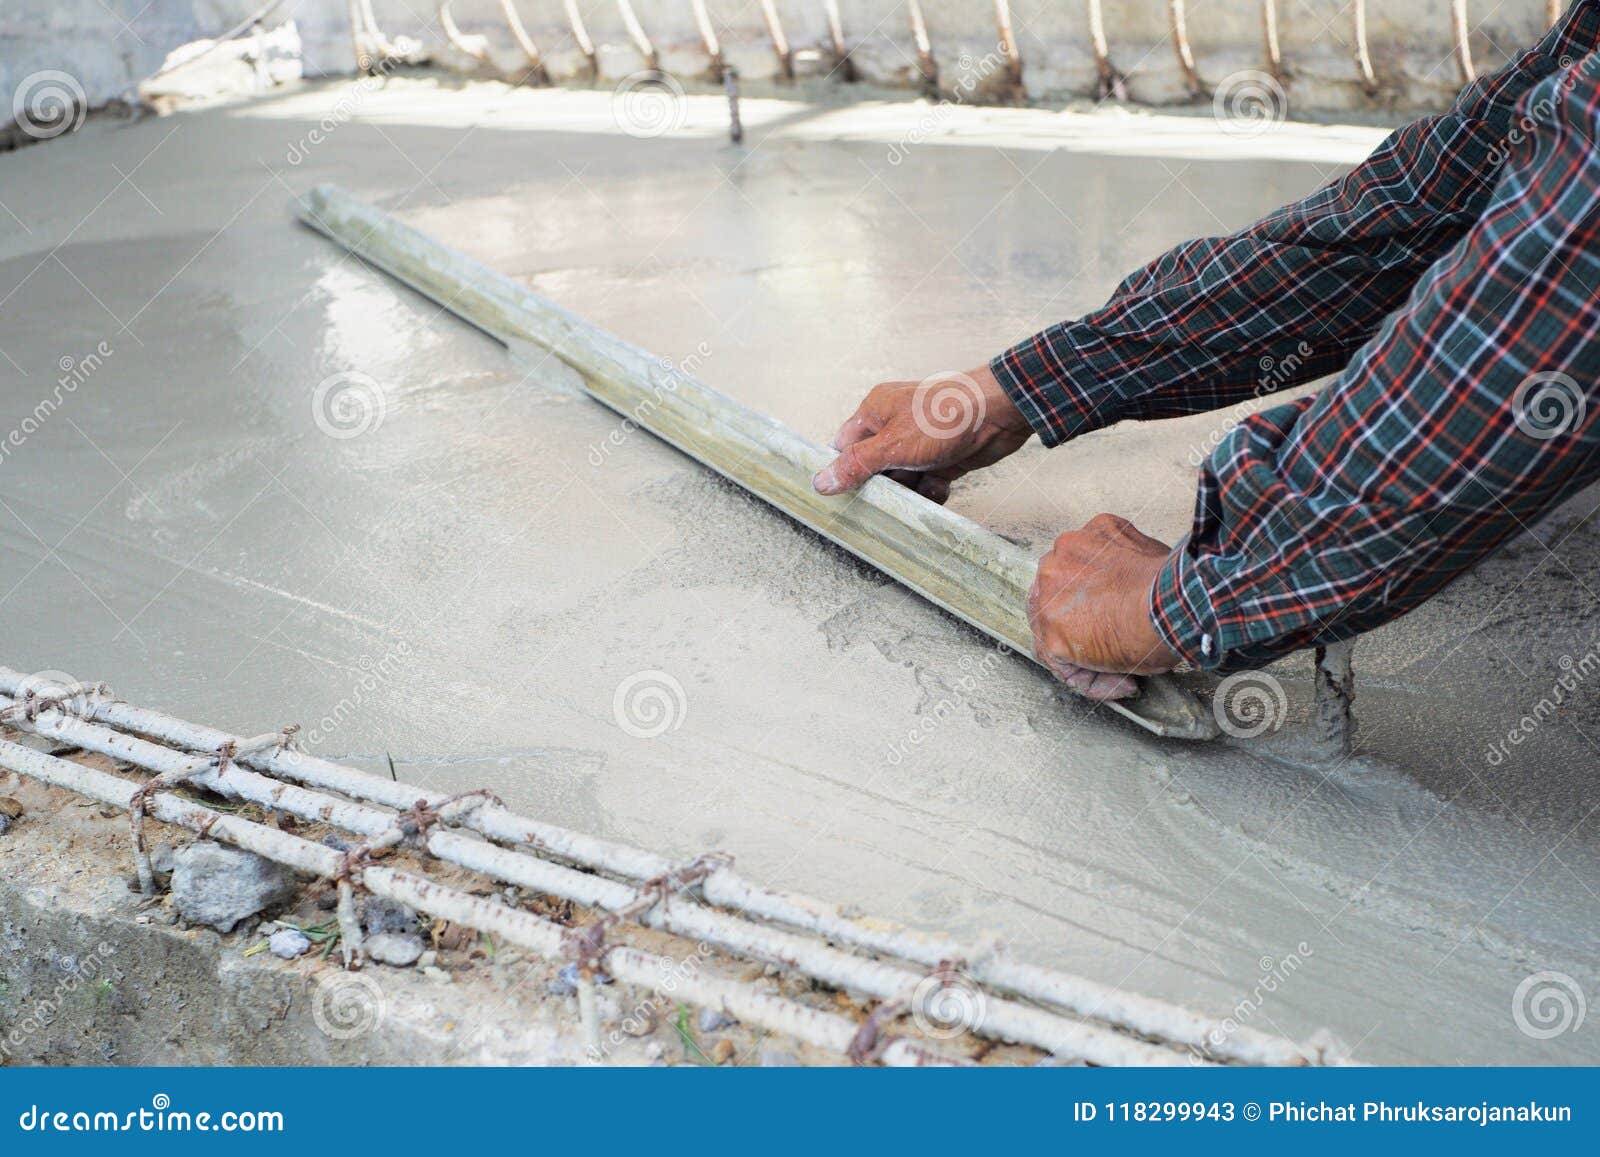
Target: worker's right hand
x=925 y=434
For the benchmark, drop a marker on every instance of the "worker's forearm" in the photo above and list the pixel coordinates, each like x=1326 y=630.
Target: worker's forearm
x=1473 y=412
x=1219 y=320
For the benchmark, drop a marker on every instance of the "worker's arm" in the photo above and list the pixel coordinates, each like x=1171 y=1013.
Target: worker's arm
x=1222 y=319
x=1474 y=411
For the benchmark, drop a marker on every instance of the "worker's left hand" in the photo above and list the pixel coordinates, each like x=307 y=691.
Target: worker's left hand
x=1090 y=608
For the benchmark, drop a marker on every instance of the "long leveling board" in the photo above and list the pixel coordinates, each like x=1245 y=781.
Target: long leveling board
x=971 y=572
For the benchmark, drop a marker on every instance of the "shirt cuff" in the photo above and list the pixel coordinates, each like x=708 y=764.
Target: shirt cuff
x=1052 y=386
x=1182 y=614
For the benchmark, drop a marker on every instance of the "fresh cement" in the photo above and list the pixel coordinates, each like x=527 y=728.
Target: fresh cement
x=266 y=485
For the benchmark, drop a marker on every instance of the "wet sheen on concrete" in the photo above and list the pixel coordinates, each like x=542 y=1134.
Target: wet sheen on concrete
x=463 y=585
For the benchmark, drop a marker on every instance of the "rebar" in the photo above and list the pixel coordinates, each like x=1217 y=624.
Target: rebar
x=824 y=1030
x=1008 y=45
x=708 y=37
x=91 y=725
x=581 y=35
x=924 y=46
x=1369 y=79
x=641 y=39
x=475 y=46
x=780 y=42
x=1269 y=38
x=1460 y=33
x=1108 y=81
x=1179 y=22
x=656 y=904
x=536 y=71
x=842 y=63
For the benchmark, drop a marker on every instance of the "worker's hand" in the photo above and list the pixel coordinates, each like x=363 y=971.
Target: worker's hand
x=925 y=434
x=1090 y=608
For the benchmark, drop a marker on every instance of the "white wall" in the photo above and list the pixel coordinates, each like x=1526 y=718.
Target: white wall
x=107 y=46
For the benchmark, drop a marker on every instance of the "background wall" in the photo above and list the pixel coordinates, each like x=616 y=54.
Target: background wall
x=107 y=46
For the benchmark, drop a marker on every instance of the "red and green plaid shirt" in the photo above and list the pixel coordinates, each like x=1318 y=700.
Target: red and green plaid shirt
x=1450 y=280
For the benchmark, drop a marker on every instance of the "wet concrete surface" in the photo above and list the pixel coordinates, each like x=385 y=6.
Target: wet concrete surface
x=281 y=488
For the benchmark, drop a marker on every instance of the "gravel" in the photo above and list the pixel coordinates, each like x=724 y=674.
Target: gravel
x=396 y=949
x=288 y=943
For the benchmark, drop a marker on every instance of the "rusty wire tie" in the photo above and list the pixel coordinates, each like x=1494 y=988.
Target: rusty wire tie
x=413 y=824
x=587 y=944
x=34 y=703
x=870 y=1041
x=220 y=760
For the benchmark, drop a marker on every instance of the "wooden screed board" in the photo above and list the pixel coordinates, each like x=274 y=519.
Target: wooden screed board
x=971 y=572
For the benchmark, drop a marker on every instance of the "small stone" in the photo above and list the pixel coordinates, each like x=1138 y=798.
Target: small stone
x=713 y=1019
x=569 y=973
x=395 y=949
x=640 y=1022
x=561 y=986
x=220 y=886
x=775 y=1058
x=334 y=842
x=722 y=1051
x=288 y=943
x=382 y=915
x=10 y=813
x=436 y=974
x=653 y=1050
x=328 y=901
x=428 y=959
x=162 y=859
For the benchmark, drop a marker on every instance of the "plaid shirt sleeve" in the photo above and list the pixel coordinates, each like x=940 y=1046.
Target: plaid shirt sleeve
x=1473 y=411
x=1294 y=296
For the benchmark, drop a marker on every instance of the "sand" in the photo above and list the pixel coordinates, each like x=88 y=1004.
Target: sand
x=464 y=585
